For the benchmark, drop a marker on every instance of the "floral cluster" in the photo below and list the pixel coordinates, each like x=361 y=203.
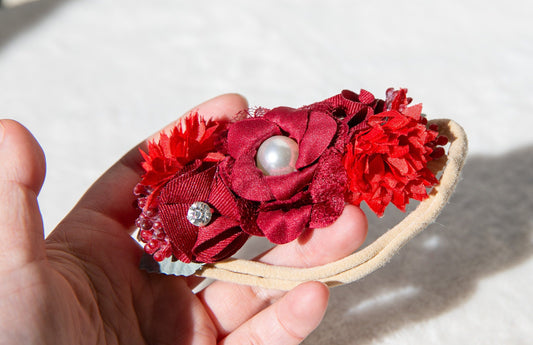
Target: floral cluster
x=348 y=148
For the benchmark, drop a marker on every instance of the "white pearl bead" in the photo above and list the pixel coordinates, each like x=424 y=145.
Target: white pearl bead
x=277 y=156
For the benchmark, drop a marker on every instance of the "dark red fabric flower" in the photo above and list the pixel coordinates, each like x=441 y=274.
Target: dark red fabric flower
x=219 y=239
x=353 y=109
x=388 y=161
x=281 y=207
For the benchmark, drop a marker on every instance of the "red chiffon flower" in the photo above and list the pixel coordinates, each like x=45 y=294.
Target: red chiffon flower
x=193 y=138
x=388 y=162
x=281 y=207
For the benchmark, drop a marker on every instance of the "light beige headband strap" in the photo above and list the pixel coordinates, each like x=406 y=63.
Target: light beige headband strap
x=372 y=257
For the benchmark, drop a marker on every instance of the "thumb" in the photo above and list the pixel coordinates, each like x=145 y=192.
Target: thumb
x=22 y=170
x=288 y=321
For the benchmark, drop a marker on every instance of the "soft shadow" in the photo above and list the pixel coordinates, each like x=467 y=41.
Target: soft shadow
x=16 y=20
x=486 y=228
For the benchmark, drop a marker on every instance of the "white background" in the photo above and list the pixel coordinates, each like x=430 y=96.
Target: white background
x=91 y=78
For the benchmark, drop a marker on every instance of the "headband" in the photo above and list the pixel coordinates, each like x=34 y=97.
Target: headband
x=208 y=186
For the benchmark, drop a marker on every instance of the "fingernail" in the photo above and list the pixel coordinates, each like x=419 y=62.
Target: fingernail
x=1 y=131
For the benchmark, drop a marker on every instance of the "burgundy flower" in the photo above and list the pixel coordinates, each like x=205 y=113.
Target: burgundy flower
x=281 y=207
x=353 y=109
x=217 y=240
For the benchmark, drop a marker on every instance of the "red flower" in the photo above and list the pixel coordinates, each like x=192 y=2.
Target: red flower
x=281 y=207
x=388 y=162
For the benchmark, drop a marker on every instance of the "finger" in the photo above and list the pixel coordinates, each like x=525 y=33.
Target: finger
x=288 y=321
x=319 y=246
x=22 y=171
x=111 y=195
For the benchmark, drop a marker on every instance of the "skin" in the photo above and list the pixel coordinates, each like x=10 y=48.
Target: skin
x=82 y=285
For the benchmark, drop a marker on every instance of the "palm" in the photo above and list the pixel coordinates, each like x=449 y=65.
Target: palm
x=128 y=305
x=84 y=285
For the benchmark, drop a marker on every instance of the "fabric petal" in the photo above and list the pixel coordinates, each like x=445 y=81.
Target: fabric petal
x=219 y=240
x=281 y=226
x=326 y=213
x=330 y=178
x=347 y=101
x=248 y=211
x=247 y=181
x=297 y=200
x=189 y=187
x=414 y=111
x=284 y=187
x=292 y=121
x=366 y=97
x=327 y=189
x=222 y=199
x=351 y=108
x=320 y=131
x=181 y=233
x=246 y=135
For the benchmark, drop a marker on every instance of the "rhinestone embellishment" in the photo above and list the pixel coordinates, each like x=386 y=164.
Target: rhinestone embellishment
x=199 y=214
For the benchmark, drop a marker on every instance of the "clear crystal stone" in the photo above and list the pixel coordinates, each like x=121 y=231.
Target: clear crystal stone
x=199 y=214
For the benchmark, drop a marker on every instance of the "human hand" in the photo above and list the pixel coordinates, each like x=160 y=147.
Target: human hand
x=83 y=284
